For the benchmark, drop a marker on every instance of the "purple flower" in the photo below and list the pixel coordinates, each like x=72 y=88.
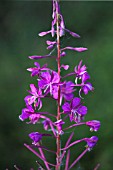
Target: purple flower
x=80 y=70
x=75 y=110
x=66 y=91
x=35 y=71
x=26 y=112
x=94 y=125
x=86 y=86
x=30 y=113
x=36 y=137
x=91 y=142
x=36 y=94
x=48 y=81
x=85 y=77
x=46 y=124
x=59 y=124
x=34 y=118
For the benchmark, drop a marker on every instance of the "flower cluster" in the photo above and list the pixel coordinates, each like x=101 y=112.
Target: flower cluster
x=67 y=94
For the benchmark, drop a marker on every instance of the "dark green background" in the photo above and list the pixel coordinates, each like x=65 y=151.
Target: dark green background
x=21 y=21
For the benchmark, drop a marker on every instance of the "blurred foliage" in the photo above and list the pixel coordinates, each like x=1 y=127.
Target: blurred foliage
x=21 y=21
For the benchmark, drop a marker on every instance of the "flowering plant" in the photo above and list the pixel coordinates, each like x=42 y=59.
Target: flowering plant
x=67 y=94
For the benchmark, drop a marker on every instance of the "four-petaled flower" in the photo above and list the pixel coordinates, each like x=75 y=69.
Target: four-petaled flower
x=35 y=97
x=35 y=71
x=49 y=81
x=75 y=110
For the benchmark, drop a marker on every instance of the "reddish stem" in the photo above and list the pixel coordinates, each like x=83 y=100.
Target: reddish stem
x=58 y=141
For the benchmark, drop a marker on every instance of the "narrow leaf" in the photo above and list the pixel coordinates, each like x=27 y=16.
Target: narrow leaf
x=67 y=160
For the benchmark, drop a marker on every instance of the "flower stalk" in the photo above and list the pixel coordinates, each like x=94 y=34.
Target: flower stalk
x=67 y=94
x=58 y=141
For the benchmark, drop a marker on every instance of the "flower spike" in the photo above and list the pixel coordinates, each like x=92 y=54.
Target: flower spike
x=52 y=85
